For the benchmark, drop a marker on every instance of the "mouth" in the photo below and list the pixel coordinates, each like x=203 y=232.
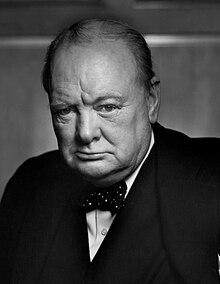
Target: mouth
x=89 y=156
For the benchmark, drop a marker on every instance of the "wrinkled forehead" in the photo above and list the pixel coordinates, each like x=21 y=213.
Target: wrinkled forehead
x=103 y=57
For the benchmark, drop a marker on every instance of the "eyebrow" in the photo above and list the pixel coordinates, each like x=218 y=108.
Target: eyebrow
x=105 y=96
x=108 y=96
x=57 y=105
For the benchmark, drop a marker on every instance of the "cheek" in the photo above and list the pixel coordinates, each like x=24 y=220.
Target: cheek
x=65 y=134
x=134 y=134
x=124 y=139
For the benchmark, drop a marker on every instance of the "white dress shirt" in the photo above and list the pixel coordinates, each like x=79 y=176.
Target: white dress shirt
x=99 y=222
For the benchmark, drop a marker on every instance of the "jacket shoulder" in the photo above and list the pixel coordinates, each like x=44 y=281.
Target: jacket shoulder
x=36 y=169
x=34 y=175
x=201 y=155
x=27 y=173
x=205 y=146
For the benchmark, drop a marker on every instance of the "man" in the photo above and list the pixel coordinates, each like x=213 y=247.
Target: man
x=104 y=99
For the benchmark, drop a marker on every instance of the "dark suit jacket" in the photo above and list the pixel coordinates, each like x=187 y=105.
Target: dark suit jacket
x=43 y=233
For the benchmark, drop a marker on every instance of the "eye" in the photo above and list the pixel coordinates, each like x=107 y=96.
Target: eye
x=62 y=112
x=107 y=108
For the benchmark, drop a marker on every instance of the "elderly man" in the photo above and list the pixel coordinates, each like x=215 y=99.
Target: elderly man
x=124 y=200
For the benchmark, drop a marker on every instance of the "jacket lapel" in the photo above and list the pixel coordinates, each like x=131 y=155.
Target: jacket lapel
x=188 y=215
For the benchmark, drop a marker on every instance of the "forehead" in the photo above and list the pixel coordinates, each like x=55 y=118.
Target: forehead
x=101 y=58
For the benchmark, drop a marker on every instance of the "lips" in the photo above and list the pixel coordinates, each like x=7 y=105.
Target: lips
x=89 y=156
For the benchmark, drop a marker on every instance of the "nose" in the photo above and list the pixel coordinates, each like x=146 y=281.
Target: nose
x=87 y=129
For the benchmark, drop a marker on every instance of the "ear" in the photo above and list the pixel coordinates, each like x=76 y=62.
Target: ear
x=154 y=99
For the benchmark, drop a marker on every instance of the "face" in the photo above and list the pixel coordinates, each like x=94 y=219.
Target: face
x=102 y=117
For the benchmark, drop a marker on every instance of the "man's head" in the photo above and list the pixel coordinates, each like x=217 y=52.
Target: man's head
x=103 y=96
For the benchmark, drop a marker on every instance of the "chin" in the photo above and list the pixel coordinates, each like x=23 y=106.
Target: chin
x=101 y=176
x=93 y=172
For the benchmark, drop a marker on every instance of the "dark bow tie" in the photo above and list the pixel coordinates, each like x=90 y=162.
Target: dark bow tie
x=110 y=198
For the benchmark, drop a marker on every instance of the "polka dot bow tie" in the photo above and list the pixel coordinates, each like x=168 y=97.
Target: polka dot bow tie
x=111 y=198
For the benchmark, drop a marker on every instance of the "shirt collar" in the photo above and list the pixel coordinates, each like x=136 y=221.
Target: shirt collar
x=130 y=180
